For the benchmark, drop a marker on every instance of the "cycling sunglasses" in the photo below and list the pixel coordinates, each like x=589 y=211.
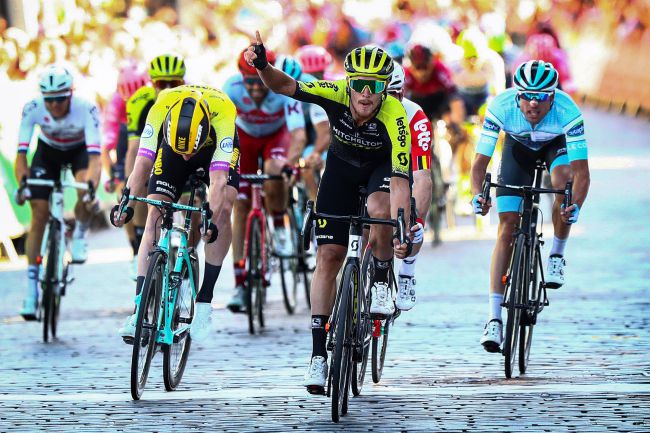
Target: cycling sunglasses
x=253 y=80
x=55 y=99
x=360 y=84
x=538 y=96
x=167 y=84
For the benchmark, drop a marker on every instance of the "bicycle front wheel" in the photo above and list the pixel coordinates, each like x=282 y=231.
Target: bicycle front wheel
x=532 y=296
x=146 y=328
x=255 y=277
x=515 y=290
x=341 y=365
x=363 y=338
x=51 y=299
x=175 y=355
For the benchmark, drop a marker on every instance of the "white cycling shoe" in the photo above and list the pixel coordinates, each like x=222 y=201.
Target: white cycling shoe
x=316 y=375
x=381 y=303
x=79 y=250
x=30 y=305
x=202 y=321
x=555 y=272
x=492 y=336
x=127 y=331
x=406 y=294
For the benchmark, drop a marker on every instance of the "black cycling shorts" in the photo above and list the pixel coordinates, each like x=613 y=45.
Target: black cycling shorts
x=171 y=172
x=338 y=194
x=47 y=163
x=518 y=168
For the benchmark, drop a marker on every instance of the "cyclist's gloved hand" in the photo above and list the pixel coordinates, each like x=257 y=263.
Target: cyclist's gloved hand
x=125 y=218
x=417 y=233
x=479 y=206
x=570 y=215
x=211 y=234
x=259 y=59
x=22 y=195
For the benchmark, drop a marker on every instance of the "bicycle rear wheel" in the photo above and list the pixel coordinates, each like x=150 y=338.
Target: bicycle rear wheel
x=291 y=275
x=51 y=299
x=531 y=297
x=175 y=355
x=379 y=346
x=341 y=365
x=515 y=289
x=363 y=338
x=255 y=277
x=146 y=328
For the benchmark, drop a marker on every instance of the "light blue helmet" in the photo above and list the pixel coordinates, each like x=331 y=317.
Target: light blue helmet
x=536 y=76
x=289 y=66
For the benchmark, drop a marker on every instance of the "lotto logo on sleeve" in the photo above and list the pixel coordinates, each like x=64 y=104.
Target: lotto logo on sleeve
x=226 y=145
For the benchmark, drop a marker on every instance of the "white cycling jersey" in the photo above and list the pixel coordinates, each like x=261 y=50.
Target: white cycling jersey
x=80 y=125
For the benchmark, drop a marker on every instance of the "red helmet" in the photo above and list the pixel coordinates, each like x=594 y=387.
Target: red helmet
x=132 y=76
x=419 y=55
x=313 y=58
x=247 y=69
x=541 y=46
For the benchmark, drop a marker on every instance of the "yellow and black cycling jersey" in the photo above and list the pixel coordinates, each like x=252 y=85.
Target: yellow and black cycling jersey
x=137 y=108
x=386 y=135
x=222 y=125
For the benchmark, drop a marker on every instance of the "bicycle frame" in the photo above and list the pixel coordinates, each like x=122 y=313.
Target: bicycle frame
x=257 y=211
x=171 y=281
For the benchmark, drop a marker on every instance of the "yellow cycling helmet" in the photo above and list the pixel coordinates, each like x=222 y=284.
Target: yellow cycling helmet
x=187 y=124
x=369 y=61
x=167 y=67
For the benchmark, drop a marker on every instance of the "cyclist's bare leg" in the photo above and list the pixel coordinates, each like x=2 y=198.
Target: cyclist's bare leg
x=307 y=176
x=195 y=233
x=81 y=213
x=40 y=215
x=275 y=191
x=559 y=177
x=216 y=251
x=329 y=258
x=240 y=211
x=502 y=250
x=380 y=235
x=422 y=192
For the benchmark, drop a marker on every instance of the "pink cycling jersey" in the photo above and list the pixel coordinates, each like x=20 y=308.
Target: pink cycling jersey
x=114 y=116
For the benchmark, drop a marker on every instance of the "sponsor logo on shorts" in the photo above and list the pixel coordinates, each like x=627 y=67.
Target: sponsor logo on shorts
x=330 y=237
x=148 y=131
x=226 y=145
x=321 y=223
x=235 y=159
x=578 y=129
x=157 y=166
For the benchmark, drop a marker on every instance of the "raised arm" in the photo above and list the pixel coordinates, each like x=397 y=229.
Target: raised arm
x=273 y=78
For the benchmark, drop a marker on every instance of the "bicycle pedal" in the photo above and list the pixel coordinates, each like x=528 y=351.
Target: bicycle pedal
x=316 y=390
x=491 y=347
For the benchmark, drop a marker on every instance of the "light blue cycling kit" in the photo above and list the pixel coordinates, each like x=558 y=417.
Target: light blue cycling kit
x=563 y=119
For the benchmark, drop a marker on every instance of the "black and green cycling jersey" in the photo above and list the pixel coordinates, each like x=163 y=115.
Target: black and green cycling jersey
x=386 y=135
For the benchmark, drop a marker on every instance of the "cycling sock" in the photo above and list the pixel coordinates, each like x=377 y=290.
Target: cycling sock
x=239 y=273
x=319 y=336
x=495 y=306
x=139 y=232
x=32 y=280
x=210 y=275
x=558 y=246
x=80 y=230
x=138 y=284
x=381 y=269
x=134 y=247
x=278 y=219
x=407 y=268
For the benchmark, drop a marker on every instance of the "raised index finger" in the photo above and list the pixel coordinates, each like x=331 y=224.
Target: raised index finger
x=258 y=38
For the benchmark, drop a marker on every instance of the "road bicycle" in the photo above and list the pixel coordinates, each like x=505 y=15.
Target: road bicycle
x=525 y=287
x=54 y=275
x=349 y=327
x=165 y=306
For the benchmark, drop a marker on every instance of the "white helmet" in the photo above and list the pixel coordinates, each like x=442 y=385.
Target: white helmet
x=56 y=79
x=396 y=83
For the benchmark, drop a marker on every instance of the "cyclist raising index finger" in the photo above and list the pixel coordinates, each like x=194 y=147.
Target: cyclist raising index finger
x=370 y=146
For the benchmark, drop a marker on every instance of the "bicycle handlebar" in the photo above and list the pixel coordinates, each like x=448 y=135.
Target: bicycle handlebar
x=260 y=178
x=310 y=215
x=567 y=191
x=25 y=183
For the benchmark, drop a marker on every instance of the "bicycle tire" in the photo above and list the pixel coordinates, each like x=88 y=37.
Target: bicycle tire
x=526 y=334
x=363 y=339
x=175 y=355
x=290 y=272
x=49 y=301
x=146 y=327
x=254 y=276
x=515 y=290
x=342 y=355
x=379 y=346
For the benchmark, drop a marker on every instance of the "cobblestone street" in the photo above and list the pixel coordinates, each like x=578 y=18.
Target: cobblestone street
x=589 y=369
